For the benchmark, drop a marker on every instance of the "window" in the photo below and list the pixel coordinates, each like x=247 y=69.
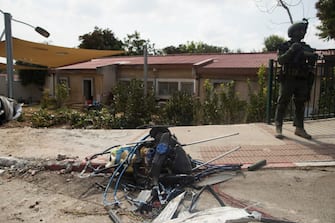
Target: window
x=187 y=87
x=126 y=82
x=63 y=80
x=166 y=88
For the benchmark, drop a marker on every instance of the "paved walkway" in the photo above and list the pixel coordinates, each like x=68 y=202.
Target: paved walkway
x=257 y=143
x=256 y=140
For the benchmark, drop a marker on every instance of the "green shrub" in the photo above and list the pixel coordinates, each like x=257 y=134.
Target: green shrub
x=47 y=101
x=210 y=106
x=42 y=118
x=179 y=109
x=232 y=109
x=130 y=102
x=61 y=94
x=256 y=111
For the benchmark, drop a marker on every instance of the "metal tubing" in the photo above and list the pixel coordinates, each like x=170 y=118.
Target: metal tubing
x=216 y=158
x=211 y=139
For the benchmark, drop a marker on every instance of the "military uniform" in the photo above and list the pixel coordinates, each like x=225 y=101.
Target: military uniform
x=296 y=77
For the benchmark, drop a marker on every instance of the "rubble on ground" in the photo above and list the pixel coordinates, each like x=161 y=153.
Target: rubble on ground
x=10 y=109
x=134 y=189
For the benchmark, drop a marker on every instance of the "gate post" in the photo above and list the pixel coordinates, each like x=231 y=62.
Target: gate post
x=269 y=93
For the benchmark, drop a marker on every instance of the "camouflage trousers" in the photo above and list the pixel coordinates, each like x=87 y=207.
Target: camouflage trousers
x=298 y=90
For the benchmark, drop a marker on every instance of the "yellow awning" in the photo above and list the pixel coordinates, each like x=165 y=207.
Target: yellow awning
x=52 y=56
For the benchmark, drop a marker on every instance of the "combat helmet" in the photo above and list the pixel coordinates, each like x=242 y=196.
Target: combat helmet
x=297 y=26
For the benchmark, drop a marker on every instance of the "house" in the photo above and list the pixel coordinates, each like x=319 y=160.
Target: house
x=42 y=54
x=26 y=94
x=94 y=79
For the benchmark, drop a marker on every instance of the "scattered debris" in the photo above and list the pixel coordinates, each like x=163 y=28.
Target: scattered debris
x=257 y=165
x=218 y=214
x=155 y=175
x=170 y=209
x=13 y=162
x=18 y=166
x=9 y=109
x=152 y=179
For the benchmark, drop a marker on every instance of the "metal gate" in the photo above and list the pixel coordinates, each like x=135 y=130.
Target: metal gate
x=322 y=100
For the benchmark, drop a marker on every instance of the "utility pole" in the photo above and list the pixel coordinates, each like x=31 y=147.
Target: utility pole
x=145 y=69
x=9 y=54
x=9 y=47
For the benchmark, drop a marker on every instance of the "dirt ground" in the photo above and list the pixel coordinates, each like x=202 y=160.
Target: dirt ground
x=300 y=195
x=305 y=195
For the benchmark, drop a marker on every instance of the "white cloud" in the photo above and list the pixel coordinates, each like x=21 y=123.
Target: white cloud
x=237 y=24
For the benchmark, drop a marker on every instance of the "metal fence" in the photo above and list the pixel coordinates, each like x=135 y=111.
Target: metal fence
x=322 y=100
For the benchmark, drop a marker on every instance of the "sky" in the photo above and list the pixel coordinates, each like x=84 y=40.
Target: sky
x=236 y=24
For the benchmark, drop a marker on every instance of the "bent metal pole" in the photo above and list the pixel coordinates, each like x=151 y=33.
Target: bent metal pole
x=211 y=139
x=216 y=158
x=188 y=144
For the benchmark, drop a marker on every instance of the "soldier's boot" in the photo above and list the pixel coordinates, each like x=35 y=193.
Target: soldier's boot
x=302 y=133
x=279 y=134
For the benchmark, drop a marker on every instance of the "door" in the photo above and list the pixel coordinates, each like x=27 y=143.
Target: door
x=88 y=89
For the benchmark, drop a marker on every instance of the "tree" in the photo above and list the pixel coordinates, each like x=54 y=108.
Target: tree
x=272 y=42
x=100 y=40
x=194 y=47
x=134 y=45
x=172 y=50
x=326 y=14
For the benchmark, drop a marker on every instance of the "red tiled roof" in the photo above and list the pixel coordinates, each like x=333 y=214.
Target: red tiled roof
x=243 y=60
x=240 y=60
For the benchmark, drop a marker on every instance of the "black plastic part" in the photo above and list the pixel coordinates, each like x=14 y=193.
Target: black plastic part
x=257 y=165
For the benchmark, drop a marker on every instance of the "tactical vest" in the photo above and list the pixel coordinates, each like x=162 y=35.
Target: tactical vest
x=300 y=63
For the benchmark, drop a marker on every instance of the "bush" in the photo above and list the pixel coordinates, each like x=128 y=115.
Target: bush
x=179 y=109
x=131 y=106
x=211 y=114
x=58 y=101
x=47 y=101
x=42 y=118
x=233 y=109
x=61 y=94
x=257 y=105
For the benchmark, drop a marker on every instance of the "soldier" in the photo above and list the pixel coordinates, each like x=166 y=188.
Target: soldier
x=296 y=79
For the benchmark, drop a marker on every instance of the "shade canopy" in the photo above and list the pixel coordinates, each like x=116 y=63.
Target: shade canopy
x=52 y=56
x=3 y=66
